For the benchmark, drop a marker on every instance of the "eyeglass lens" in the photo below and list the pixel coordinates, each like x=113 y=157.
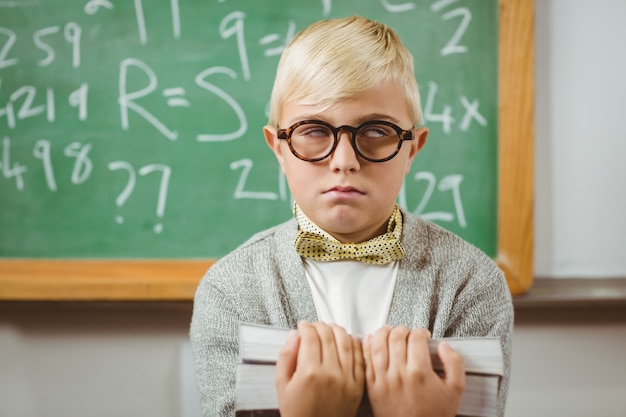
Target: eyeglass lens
x=374 y=141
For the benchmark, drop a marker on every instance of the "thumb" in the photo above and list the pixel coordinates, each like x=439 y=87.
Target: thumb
x=287 y=360
x=453 y=367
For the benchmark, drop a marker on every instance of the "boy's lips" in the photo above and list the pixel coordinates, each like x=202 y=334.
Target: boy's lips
x=343 y=190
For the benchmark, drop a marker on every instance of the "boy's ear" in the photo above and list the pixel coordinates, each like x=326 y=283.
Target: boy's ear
x=273 y=142
x=420 y=135
x=419 y=140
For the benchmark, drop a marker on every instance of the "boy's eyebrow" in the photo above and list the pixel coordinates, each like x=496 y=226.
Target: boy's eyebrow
x=302 y=117
x=358 y=121
x=378 y=116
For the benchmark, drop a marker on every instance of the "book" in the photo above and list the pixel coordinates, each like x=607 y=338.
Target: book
x=483 y=355
x=255 y=391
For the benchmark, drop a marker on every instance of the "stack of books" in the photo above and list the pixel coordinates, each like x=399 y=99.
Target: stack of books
x=255 y=391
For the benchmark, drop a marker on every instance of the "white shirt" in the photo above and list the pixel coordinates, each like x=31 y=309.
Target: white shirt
x=352 y=294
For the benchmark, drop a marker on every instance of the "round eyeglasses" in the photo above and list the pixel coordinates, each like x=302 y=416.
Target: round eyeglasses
x=374 y=140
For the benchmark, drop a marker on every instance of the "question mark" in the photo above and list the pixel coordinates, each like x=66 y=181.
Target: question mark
x=165 y=178
x=130 y=185
x=128 y=189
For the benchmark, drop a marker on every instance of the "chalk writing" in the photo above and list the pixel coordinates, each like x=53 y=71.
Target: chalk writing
x=132 y=180
x=92 y=6
x=128 y=101
x=236 y=107
x=445 y=117
x=451 y=183
x=71 y=33
x=149 y=115
x=26 y=102
x=453 y=45
x=141 y=20
x=11 y=170
x=240 y=191
x=6 y=48
x=42 y=152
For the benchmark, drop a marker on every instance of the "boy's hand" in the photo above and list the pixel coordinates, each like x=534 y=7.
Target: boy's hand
x=320 y=372
x=400 y=377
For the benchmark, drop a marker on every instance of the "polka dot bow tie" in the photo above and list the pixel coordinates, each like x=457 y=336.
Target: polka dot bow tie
x=314 y=243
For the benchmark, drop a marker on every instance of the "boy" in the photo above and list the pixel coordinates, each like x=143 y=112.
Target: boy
x=344 y=126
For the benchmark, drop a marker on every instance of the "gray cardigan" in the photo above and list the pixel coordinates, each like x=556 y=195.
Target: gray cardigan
x=444 y=284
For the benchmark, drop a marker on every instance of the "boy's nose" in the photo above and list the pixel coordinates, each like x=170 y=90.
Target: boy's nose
x=344 y=157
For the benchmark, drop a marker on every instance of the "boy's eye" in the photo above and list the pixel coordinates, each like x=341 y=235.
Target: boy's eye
x=313 y=131
x=376 y=131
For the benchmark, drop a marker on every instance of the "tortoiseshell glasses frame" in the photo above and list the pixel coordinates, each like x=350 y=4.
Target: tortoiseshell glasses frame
x=369 y=140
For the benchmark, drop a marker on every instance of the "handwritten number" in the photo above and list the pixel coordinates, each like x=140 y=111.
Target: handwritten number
x=453 y=47
x=11 y=38
x=429 y=177
x=82 y=165
x=141 y=19
x=237 y=29
x=246 y=167
x=452 y=183
x=78 y=98
x=15 y=170
x=42 y=152
x=37 y=39
x=141 y=22
x=445 y=117
x=448 y=183
x=27 y=109
x=72 y=33
x=8 y=112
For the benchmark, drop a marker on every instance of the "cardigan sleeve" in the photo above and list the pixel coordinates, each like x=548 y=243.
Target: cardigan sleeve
x=214 y=342
x=487 y=311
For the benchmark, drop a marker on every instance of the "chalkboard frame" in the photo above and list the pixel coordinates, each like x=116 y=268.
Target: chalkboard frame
x=176 y=280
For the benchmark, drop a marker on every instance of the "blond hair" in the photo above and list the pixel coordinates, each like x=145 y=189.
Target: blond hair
x=337 y=59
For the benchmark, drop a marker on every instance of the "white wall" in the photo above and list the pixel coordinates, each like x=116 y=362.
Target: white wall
x=74 y=360
x=92 y=359
x=580 y=138
x=568 y=363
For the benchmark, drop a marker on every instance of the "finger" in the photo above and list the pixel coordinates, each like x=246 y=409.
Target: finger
x=418 y=354
x=327 y=343
x=344 y=348
x=380 y=350
x=287 y=360
x=310 y=348
x=359 y=361
x=370 y=372
x=453 y=367
x=398 y=340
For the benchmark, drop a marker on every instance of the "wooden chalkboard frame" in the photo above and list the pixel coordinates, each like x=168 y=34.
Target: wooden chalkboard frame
x=176 y=280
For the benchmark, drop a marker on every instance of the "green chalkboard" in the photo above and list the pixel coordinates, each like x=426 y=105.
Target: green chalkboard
x=133 y=129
